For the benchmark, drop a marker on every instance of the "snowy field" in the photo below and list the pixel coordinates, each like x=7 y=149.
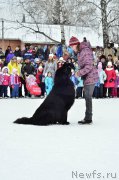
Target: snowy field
x=59 y=152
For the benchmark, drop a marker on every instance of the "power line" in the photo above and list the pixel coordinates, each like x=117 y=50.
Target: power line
x=74 y=25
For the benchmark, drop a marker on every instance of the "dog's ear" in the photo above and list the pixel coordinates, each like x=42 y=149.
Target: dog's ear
x=71 y=66
x=68 y=65
x=65 y=65
x=67 y=69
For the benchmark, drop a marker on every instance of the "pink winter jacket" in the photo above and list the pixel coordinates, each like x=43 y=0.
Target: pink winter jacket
x=6 y=80
x=87 y=70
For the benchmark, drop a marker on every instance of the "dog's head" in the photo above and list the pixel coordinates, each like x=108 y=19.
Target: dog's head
x=67 y=67
x=63 y=74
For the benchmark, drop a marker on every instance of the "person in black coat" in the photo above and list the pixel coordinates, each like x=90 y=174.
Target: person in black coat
x=27 y=69
x=7 y=51
x=17 y=52
x=103 y=60
x=46 y=53
x=40 y=53
x=2 y=56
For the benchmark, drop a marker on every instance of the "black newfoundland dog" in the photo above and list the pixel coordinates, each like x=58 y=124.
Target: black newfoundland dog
x=55 y=107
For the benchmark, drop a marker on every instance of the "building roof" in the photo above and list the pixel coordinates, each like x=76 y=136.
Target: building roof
x=13 y=30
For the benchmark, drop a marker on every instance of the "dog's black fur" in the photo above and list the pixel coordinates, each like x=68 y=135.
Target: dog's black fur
x=55 y=107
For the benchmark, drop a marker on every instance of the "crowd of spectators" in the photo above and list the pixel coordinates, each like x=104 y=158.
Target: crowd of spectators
x=43 y=61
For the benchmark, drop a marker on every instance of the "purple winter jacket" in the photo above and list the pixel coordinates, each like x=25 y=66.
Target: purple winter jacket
x=117 y=82
x=87 y=70
x=9 y=57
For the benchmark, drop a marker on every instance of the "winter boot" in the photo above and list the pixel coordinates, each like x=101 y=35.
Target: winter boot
x=84 y=121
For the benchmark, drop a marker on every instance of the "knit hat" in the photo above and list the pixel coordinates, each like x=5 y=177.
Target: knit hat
x=5 y=67
x=19 y=58
x=61 y=59
x=73 y=41
x=109 y=63
x=36 y=60
x=51 y=55
x=40 y=68
x=14 y=57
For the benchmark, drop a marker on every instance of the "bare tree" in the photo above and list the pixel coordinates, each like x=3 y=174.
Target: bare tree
x=108 y=10
x=114 y=23
x=83 y=13
x=35 y=13
x=55 y=12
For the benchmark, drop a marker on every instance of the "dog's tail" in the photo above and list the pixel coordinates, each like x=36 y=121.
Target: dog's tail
x=23 y=120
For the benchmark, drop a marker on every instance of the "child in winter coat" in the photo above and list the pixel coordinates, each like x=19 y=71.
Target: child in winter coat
x=26 y=70
x=79 y=89
x=75 y=81
x=116 y=89
x=6 y=81
x=1 y=83
x=110 y=81
x=36 y=64
x=76 y=66
x=49 y=82
x=15 y=83
x=96 y=90
x=39 y=77
x=102 y=77
x=74 y=78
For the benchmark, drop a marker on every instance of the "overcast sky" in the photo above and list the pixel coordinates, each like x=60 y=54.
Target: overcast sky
x=8 y=9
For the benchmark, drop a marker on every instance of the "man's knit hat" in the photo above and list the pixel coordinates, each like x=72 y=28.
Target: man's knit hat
x=73 y=41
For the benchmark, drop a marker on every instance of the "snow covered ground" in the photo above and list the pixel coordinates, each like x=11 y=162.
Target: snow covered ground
x=59 y=152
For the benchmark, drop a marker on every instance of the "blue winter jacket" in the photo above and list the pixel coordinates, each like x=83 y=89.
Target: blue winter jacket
x=80 y=82
x=74 y=80
x=49 y=82
x=59 y=52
